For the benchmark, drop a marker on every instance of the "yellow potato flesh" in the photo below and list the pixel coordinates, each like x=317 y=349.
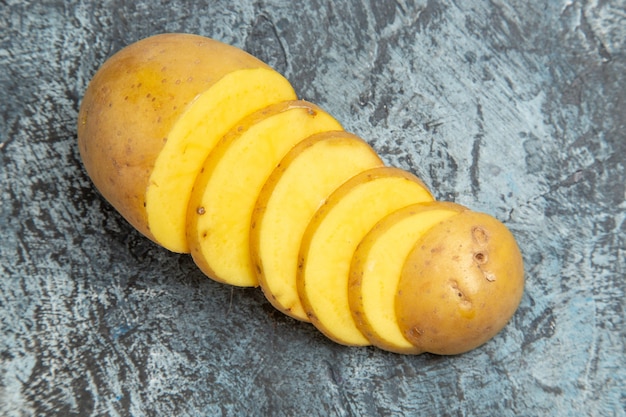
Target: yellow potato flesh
x=134 y=101
x=226 y=190
x=309 y=173
x=193 y=136
x=460 y=284
x=377 y=266
x=331 y=239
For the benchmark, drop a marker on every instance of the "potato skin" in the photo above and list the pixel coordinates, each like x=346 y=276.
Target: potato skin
x=132 y=103
x=460 y=284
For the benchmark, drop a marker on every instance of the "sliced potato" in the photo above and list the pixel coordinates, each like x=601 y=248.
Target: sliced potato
x=305 y=178
x=460 y=284
x=138 y=119
x=204 y=148
x=229 y=183
x=377 y=266
x=332 y=236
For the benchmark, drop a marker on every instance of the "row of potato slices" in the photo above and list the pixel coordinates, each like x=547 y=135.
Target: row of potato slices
x=289 y=201
x=205 y=149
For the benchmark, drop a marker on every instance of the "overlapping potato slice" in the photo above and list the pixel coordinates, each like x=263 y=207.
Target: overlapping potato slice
x=377 y=266
x=225 y=192
x=305 y=178
x=211 y=115
x=332 y=236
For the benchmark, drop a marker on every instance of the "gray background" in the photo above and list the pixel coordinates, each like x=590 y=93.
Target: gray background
x=515 y=108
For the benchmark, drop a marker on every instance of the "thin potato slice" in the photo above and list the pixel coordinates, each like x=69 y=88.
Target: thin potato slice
x=193 y=136
x=145 y=93
x=460 y=284
x=229 y=183
x=377 y=266
x=331 y=239
x=305 y=178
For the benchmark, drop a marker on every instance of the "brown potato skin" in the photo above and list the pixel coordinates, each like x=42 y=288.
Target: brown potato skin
x=460 y=284
x=132 y=103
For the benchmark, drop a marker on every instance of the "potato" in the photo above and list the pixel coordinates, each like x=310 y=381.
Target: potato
x=460 y=284
x=287 y=202
x=230 y=180
x=377 y=266
x=332 y=236
x=205 y=149
x=152 y=113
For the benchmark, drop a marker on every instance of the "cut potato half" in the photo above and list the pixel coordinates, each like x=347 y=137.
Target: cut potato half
x=230 y=181
x=460 y=284
x=193 y=136
x=146 y=99
x=332 y=236
x=377 y=267
x=305 y=178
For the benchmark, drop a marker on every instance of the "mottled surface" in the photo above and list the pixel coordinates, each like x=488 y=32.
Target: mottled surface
x=515 y=108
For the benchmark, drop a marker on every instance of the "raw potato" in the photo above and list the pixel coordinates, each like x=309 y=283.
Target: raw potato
x=377 y=266
x=153 y=112
x=226 y=190
x=460 y=284
x=205 y=149
x=332 y=237
x=288 y=200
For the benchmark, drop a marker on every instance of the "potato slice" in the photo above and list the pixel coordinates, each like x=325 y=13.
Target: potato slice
x=332 y=236
x=460 y=284
x=377 y=266
x=231 y=179
x=193 y=136
x=305 y=178
x=153 y=111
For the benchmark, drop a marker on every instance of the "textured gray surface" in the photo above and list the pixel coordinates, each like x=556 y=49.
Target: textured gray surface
x=515 y=108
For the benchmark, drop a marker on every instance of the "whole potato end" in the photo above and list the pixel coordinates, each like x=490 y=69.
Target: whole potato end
x=460 y=285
